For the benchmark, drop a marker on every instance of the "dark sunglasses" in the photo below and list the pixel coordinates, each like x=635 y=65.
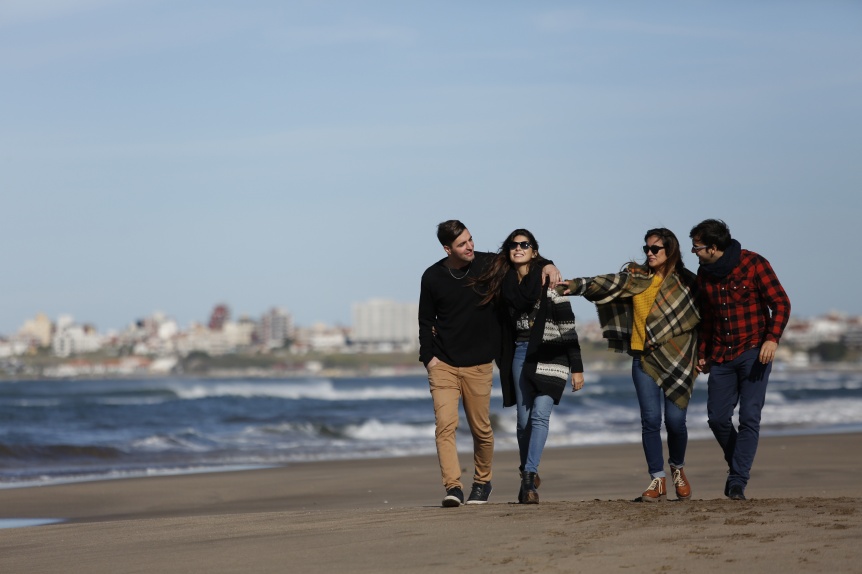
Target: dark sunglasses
x=653 y=248
x=522 y=244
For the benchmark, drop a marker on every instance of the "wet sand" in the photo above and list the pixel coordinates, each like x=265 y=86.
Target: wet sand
x=804 y=514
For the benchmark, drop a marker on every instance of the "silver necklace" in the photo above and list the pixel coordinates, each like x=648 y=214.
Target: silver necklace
x=469 y=265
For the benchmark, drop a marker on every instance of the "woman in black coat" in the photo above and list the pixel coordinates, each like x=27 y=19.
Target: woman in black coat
x=539 y=352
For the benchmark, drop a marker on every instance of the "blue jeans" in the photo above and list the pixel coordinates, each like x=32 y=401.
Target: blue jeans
x=534 y=414
x=741 y=381
x=651 y=397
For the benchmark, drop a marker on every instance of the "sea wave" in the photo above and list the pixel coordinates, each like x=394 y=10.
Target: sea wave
x=827 y=413
x=374 y=429
x=322 y=390
x=147 y=427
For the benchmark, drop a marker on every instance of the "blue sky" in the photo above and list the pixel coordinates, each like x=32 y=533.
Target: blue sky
x=171 y=155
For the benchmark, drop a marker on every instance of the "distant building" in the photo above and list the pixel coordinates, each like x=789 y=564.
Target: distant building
x=320 y=338
x=14 y=346
x=808 y=333
x=274 y=329
x=39 y=330
x=232 y=337
x=152 y=335
x=384 y=325
x=590 y=331
x=71 y=339
x=219 y=316
x=853 y=338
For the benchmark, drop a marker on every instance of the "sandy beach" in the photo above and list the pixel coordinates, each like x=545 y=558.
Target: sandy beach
x=804 y=514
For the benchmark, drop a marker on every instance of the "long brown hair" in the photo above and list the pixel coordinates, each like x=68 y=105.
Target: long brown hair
x=488 y=285
x=671 y=250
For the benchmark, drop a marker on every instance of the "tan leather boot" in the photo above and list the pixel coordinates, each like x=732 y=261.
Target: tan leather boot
x=528 y=489
x=656 y=491
x=683 y=488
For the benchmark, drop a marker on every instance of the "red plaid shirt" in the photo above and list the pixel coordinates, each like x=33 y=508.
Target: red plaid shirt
x=735 y=310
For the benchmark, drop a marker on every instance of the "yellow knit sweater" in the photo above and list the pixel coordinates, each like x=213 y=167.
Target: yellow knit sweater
x=642 y=303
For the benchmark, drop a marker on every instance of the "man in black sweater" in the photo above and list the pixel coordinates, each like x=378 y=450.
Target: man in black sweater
x=458 y=341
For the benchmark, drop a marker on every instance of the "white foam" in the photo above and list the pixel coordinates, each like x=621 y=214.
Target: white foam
x=162 y=442
x=826 y=412
x=45 y=480
x=323 y=390
x=24 y=522
x=34 y=403
x=373 y=429
x=123 y=401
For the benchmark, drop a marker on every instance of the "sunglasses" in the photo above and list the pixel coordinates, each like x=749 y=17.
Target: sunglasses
x=654 y=249
x=522 y=244
x=697 y=248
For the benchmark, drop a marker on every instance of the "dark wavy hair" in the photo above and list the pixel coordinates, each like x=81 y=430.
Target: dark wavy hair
x=489 y=284
x=671 y=249
x=712 y=232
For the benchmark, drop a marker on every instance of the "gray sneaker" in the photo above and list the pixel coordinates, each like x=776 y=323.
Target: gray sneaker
x=479 y=493
x=454 y=497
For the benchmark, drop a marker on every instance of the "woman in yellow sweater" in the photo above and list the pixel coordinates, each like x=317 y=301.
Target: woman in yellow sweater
x=648 y=310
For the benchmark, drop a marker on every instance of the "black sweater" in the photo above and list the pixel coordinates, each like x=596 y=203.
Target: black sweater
x=467 y=334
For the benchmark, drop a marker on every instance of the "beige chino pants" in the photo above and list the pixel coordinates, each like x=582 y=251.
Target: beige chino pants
x=472 y=385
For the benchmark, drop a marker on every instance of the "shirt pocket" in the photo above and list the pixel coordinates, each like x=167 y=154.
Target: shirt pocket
x=740 y=291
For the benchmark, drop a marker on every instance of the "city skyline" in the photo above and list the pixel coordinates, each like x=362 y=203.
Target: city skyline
x=206 y=321
x=170 y=156
x=234 y=316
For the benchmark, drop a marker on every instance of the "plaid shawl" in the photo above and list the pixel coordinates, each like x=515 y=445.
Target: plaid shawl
x=670 y=354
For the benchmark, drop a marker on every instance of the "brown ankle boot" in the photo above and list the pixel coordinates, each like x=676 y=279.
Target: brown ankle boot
x=683 y=488
x=528 y=489
x=522 y=497
x=656 y=491
x=537 y=483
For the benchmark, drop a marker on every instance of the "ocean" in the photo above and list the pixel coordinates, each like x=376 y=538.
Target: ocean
x=73 y=430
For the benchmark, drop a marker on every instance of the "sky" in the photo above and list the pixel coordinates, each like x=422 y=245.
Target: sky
x=172 y=155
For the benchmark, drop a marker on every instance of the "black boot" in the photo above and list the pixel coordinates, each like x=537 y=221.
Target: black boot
x=528 y=494
x=537 y=482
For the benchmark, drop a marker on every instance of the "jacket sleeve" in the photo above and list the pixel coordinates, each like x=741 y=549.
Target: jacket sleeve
x=775 y=297
x=564 y=319
x=704 y=328
x=427 y=320
x=601 y=288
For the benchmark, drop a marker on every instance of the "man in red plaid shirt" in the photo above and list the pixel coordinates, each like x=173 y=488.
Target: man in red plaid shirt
x=744 y=311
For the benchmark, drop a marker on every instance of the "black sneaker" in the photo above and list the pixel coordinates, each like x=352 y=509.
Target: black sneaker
x=454 y=497
x=735 y=492
x=479 y=493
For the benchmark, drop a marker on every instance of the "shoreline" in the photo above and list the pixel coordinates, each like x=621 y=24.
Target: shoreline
x=384 y=515
x=154 y=472
x=621 y=466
